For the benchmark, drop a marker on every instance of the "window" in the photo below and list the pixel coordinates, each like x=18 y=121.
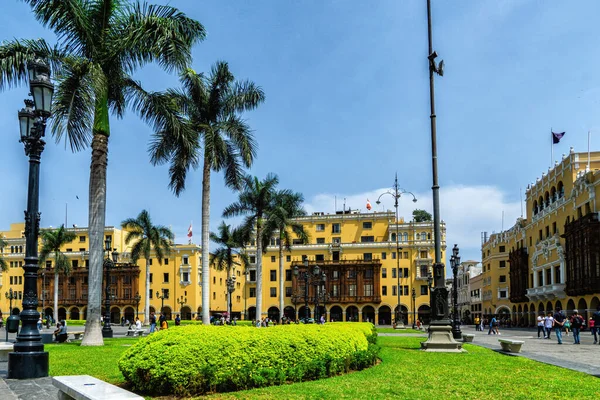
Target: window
x=384 y=290
x=185 y=277
x=151 y=277
x=150 y=291
x=502 y=249
x=502 y=294
x=72 y=293
x=383 y=255
x=367 y=239
x=384 y=272
x=81 y=239
x=149 y=261
x=557 y=274
x=166 y=277
x=288 y=258
x=82 y=249
x=127 y=280
x=336 y=228
x=502 y=279
x=288 y=292
x=166 y=293
x=288 y=275
x=273 y=275
x=423 y=235
x=166 y=261
x=406 y=290
x=369 y=274
x=549 y=276
x=273 y=292
x=320 y=227
x=352 y=289
x=272 y=258
x=502 y=264
x=214 y=295
x=320 y=240
x=368 y=256
x=335 y=274
x=540 y=278
x=405 y=272
x=113 y=280
x=393 y=255
x=554 y=228
x=127 y=293
x=335 y=290
x=253 y=276
x=185 y=260
x=336 y=240
x=252 y=259
x=252 y=292
x=87 y=263
x=423 y=253
x=69 y=250
x=351 y=274
x=394 y=290
x=423 y=269
x=297 y=241
x=368 y=289
x=406 y=254
x=367 y=225
x=393 y=272
x=547 y=231
x=424 y=289
x=320 y=257
x=75 y=263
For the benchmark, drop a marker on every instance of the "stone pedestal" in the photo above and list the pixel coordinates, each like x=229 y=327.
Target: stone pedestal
x=441 y=341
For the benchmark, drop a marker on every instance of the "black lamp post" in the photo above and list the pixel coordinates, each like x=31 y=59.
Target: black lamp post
x=396 y=194
x=316 y=278
x=136 y=299
x=230 y=289
x=162 y=299
x=414 y=296
x=181 y=301
x=10 y=295
x=454 y=263
x=109 y=263
x=29 y=360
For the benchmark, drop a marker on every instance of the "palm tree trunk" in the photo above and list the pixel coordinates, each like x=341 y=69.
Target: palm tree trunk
x=97 y=215
x=205 y=241
x=259 y=285
x=147 y=295
x=281 y=277
x=55 y=314
x=229 y=295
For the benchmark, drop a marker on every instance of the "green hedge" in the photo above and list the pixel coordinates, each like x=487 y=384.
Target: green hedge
x=194 y=360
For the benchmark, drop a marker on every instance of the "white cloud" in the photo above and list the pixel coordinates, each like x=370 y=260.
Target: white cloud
x=466 y=210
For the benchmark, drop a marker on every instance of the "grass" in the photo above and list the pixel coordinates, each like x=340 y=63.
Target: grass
x=405 y=372
x=400 y=331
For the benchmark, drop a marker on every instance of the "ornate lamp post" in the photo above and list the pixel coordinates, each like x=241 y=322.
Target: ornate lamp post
x=455 y=263
x=10 y=295
x=230 y=289
x=109 y=263
x=414 y=296
x=396 y=194
x=136 y=299
x=162 y=299
x=29 y=360
x=181 y=301
x=314 y=277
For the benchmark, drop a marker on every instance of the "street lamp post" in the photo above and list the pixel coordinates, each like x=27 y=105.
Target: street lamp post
x=10 y=295
x=29 y=360
x=440 y=336
x=396 y=194
x=230 y=289
x=109 y=263
x=181 y=301
x=455 y=262
x=162 y=299
x=136 y=299
x=316 y=278
x=414 y=296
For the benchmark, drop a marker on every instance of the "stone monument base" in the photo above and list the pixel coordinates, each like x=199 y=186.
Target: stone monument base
x=441 y=341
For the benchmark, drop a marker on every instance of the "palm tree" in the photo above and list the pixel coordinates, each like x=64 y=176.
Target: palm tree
x=52 y=241
x=100 y=44
x=202 y=123
x=287 y=206
x=227 y=257
x=255 y=201
x=3 y=264
x=147 y=237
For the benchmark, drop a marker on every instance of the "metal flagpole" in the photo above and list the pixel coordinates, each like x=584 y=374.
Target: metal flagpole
x=551 y=147
x=588 y=163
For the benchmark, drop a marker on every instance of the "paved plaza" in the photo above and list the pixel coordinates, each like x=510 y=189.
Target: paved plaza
x=547 y=351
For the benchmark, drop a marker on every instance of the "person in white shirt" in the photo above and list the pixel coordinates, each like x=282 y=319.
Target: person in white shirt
x=540 y=325
x=138 y=323
x=548 y=323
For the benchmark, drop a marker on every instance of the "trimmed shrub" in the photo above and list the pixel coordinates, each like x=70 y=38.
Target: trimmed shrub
x=194 y=360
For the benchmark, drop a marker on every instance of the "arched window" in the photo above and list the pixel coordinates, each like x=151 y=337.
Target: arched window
x=12 y=249
x=535 y=207
x=546 y=199
x=423 y=235
x=20 y=249
x=405 y=237
x=553 y=194
x=541 y=203
x=561 y=190
x=393 y=237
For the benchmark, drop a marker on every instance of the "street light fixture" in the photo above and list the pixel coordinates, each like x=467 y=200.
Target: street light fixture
x=162 y=298
x=10 y=295
x=455 y=263
x=414 y=295
x=29 y=360
x=108 y=264
x=396 y=194
x=230 y=289
x=136 y=299
x=181 y=301
x=315 y=278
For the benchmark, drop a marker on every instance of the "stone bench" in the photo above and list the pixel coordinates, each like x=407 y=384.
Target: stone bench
x=5 y=348
x=468 y=337
x=77 y=335
x=512 y=346
x=85 y=387
x=136 y=332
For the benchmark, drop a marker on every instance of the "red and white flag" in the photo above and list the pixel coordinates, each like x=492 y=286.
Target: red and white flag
x=190 y=231
x=368 y=205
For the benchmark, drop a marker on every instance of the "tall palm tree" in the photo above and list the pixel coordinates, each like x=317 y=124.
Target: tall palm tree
x=202 y=123
x=100 y=44
x=52 y=241
x=255 y=201
x=147 y=237
x=3 y=264
x=227 y=257
x=287 y=206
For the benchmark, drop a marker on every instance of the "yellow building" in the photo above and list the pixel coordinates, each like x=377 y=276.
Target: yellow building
x=178 y=279
x=357 y=253
x=553 y=255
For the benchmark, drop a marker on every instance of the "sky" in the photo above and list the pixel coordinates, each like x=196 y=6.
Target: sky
x=347 y=106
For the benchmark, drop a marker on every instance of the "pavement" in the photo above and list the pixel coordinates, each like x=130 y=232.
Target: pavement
x=542 y=350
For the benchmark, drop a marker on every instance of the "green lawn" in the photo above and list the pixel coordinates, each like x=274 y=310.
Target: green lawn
x=400 y=331
x=405 y=372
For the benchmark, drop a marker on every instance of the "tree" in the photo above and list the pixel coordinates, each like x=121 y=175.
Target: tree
x=421 y=216
x=52 y=241
x=202 y=123
x=287 y=206
x=3 y=264
x=100 y=44
x=255 y=201
x=147 y=237
x=227 y=257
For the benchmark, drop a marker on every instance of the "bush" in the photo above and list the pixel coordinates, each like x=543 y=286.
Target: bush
x=193 y=359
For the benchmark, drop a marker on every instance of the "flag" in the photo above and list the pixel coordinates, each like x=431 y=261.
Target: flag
x=190 y=231
x=557 y=136
x=368 y=205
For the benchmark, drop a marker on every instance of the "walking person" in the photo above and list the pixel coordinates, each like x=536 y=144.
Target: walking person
x=540 y=325
x=152 y=322
x=559 y=321
x=576 y=324
x=548 y=324
x=476 y=323
x=596 y=324
x=493 y=326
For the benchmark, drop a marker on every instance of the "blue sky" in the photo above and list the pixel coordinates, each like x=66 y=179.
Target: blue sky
x=347 y=105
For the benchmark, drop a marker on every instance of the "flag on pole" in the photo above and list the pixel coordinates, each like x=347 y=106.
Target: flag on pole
x=368 y=205
x=190 y=231
x=557 y=136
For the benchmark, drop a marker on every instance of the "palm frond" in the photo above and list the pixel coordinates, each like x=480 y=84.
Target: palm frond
x=244 y=96
x=14 y=55
x=241 y=136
